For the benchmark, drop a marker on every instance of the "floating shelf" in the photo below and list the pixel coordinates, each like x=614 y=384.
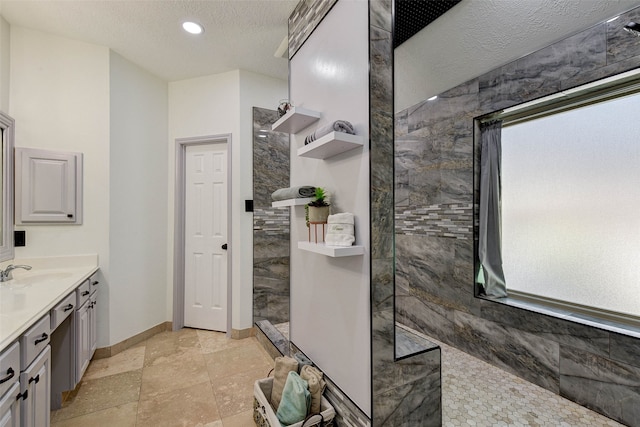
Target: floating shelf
x=330 y=145
x=332 y=251
x=292 y=202
x=295 y=120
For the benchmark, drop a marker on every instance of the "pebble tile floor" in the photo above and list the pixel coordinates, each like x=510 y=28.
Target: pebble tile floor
x=197 y=378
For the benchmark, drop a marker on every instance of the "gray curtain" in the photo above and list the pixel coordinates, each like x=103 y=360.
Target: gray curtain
x=490 y=227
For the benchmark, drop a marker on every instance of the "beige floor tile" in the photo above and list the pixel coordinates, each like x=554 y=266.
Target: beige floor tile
x=168 y=347
x=235 y=360
x=121 y=416
x=243 y=419
x=102 y=393
x=129 y=360
x=211 y=341
x=234 y=393
x=174 y=374
x=191 y=406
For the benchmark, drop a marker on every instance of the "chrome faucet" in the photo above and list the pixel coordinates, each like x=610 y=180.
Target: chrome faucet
x=5 y=275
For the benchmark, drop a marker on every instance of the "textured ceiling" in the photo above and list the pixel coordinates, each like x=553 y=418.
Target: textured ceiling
x=239 y=34
x=412 y=16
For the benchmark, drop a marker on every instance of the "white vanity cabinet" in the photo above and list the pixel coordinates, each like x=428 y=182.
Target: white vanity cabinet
x=10 y=386
x=86 y=325
x=35 y=377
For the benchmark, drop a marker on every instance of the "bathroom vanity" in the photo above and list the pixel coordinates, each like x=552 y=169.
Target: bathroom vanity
x=47 y=335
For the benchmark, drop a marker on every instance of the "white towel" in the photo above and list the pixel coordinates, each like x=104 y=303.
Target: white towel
x=340 y=230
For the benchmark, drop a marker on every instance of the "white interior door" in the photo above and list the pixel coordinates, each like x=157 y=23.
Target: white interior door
x=205 y=292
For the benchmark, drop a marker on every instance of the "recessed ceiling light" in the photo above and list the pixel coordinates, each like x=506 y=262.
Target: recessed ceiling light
x=192 y=27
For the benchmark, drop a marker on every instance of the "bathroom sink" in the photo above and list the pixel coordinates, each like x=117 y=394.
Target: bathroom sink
x=35 y=278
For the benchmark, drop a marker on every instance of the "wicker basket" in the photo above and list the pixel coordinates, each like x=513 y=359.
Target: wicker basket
x=264 y=416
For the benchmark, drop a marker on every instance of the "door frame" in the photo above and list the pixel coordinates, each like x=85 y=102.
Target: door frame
x=179 y=224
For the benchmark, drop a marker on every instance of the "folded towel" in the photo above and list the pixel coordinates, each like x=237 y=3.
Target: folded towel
x=293 y=193
x=283 y=366
x=313 y=376
x=340 y=218
x=296 y=400
x=340 y=231
x=338 y=126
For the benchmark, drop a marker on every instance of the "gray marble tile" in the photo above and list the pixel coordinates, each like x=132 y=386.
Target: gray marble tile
x=416 y=404
x=620 y=44
x=428 y=318
x=270 y=157
x=380 y=13
x=408 y=343
x=380 y=74
x=562 y=331
x=437 y=269
x=382 y=288
x=611 y=388
x=625 y=349
x=304 y=19
x=526 y=355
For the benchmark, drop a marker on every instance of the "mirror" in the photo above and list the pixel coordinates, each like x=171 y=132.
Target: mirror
x=6 y=222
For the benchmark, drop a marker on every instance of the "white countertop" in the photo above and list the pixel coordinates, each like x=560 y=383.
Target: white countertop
x=31 y=294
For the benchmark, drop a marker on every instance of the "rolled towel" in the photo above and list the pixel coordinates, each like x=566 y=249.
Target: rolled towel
x=313 y=376
x=338 y=126
x=296 y=400
x=293 y=193
x=284 y=365
x=340 y=230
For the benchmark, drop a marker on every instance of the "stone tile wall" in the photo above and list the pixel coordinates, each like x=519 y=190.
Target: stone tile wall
x=434 y=161
x=270 y=225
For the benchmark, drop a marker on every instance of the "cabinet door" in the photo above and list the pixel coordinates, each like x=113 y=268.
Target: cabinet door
x=10 y=407
x=83 y=345
x=93 y=329
x=35 y=382
x=48 y=186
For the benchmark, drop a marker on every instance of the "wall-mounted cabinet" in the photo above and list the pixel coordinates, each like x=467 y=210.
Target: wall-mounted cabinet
x=330 y=145
x=295 y=120
x=48 y=187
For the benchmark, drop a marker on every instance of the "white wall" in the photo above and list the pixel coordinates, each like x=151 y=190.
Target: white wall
x=5 y=49
x=330 y=297
x=137 y=199
x=214 y=105
x=59 y=97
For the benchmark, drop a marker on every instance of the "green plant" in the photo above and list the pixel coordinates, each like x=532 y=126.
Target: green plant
x=320 y=198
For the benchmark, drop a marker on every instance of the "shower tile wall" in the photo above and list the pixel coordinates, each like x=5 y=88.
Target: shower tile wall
x=434 y=161
x=270 y=225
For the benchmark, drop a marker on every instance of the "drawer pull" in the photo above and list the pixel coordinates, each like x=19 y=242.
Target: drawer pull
x=69 y=307
x=10 y=374
x=42 y=338
x=23 y=396
x=34 y=380
x=85 y=293
x=95 y=283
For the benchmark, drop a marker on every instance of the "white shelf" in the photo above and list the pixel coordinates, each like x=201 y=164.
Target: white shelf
x=292 y=202
x=330 y=145
x=332 y=251
x=295 y=120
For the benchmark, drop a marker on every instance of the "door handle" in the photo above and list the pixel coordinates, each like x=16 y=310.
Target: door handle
x=224 y=246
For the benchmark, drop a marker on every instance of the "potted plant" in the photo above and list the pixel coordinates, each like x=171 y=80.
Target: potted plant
x=318 y=209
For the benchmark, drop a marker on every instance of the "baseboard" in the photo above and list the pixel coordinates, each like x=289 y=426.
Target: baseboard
x=238 y=334
x=104 y=352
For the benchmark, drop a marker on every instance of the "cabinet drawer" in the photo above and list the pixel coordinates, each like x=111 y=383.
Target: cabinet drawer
x=62 y=310
x=94 y=282
x=9 y=367
x=34 y=340
x=82 y=293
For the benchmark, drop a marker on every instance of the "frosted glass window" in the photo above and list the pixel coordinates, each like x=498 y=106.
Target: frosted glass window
x=571 y=205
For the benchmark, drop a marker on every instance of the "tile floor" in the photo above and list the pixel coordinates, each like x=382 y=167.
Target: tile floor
x=200 y=378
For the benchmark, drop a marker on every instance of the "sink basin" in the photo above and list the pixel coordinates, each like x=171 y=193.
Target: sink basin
x=31 y=279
